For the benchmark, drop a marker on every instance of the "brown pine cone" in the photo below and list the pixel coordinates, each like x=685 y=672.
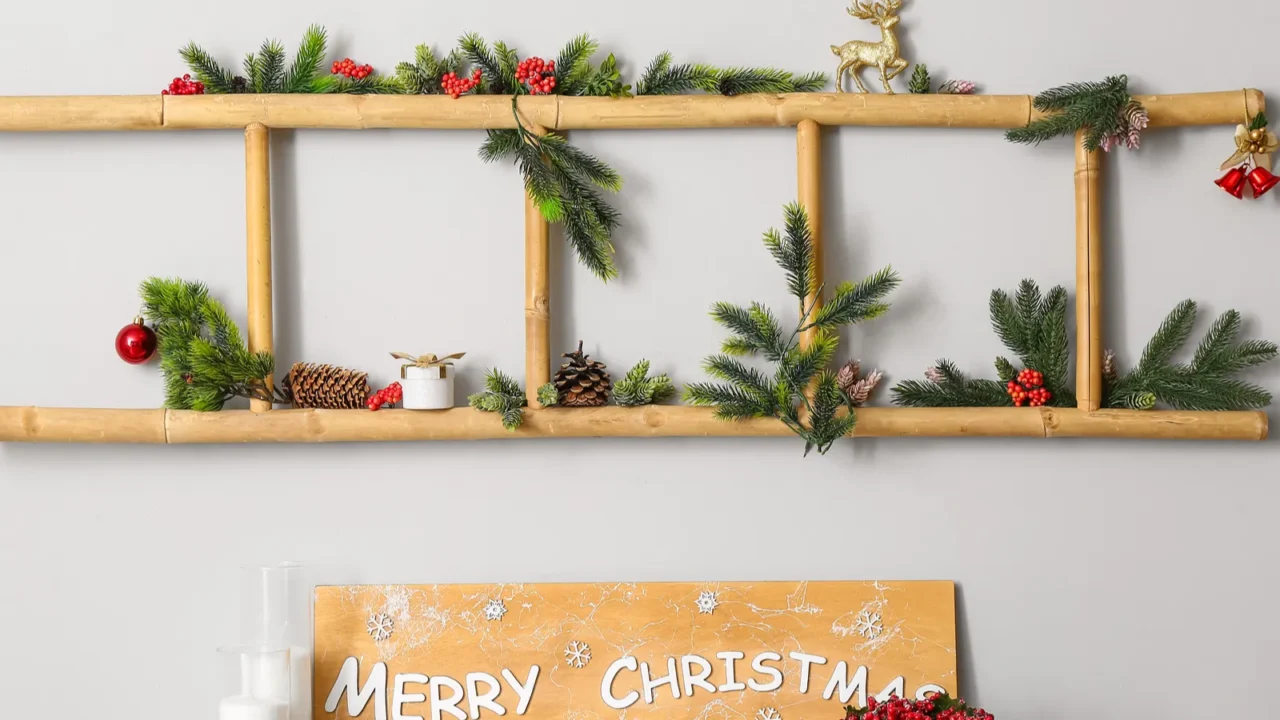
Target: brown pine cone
x=327 y=387
x=582 y=382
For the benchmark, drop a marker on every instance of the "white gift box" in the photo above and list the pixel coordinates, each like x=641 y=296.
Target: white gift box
x=427 y=388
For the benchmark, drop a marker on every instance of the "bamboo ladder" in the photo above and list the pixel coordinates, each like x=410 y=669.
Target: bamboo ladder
x=808 y=113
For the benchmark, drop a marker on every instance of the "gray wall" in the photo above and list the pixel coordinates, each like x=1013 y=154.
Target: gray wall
x=1131 y=573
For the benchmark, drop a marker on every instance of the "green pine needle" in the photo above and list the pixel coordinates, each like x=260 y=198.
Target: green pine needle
x=502 y=395
x=1096 y=107
x=1259 y=122
x=216 y=79
x=307 y=61
x=548 y=396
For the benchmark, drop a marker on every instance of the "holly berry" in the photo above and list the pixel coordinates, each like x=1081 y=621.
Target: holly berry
x=456 y=87
x=389 y=395
x=184 y=86
x=538 y=74
x=1028 y=387
x=348 y=68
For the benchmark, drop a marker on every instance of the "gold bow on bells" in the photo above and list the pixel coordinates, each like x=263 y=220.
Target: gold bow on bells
x=1251 y=143
x=426 y=361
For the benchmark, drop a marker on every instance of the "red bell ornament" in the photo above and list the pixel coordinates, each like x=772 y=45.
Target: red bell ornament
x=1261 y=180
x=1233 y=182
x=136 y=343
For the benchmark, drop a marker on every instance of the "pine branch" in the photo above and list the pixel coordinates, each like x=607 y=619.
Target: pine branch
x=1096 y=108
x=741 y=81
x=1206 y=383
x=664 y=77
x=920 y=83
x=573 y=65
x=307 y=61
x=746 y=391
x=502 y=395
x=637 y=388
x=795 y=254
x=477 y=51
x=216 y=79
x=857 y=302
x=370 y=85
x=270 y=68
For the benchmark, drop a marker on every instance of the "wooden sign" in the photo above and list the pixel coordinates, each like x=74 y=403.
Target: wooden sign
x=758 y=651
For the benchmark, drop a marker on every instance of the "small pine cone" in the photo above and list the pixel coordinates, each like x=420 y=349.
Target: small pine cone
x=935 y=376
x=957 y=87
x=848 y=376
x=239 y=85
x=327 y=387
x=1109 y=366
x=863 y=388
x=583 y=382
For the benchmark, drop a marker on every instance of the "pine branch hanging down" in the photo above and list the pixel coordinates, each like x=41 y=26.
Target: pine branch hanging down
x=1033 y=327
x=746 y=392
x=1206 y=383
x=562 y=180
x=202 y=355
x=1104 y=110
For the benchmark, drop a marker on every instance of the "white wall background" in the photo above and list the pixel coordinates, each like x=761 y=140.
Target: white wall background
x=1138 y=574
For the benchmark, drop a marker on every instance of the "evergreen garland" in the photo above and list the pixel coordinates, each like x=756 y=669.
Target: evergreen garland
x=1033 y=327
x=265 y=71
x=747 y=392
x=203 y=358
x=423 y=75
x=637 y=388
x=664 y=77
x=1206 y=383
x=1103 y=109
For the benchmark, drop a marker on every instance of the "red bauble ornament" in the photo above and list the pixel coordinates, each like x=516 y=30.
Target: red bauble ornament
x=1233 y=182
x=136 y=343
x=1261 y=180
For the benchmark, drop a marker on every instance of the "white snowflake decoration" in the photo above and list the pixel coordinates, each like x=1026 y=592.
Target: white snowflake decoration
x=577 y=654
x=495 y=609
x=707 y=602
x=868 y=625
x=380 y=626
x=768 y=714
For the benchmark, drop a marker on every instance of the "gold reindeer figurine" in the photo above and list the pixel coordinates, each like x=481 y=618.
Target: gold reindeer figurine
x=884 y=54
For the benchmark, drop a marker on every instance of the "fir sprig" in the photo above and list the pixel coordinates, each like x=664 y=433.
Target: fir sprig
x=202 y=354
x=423 y=75
x=637 y=388
x=1098 y=108
x=1033 y=327
x=747 y=392
x=501 y=395
x=1205 y=383
x=921 y=83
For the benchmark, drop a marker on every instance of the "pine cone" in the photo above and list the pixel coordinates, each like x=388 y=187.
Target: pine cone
x=848 y=376
x=935 y=375
x=327 y=387
x=1109 y=366
x=582 y=382
x=861 y=391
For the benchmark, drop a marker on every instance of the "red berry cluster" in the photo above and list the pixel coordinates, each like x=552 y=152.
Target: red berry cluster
x=538 y=74
x=1029 y=388
x=349 y=68
x=389 y=395
x=184 y=86
x=895 y=708
x=457 y=87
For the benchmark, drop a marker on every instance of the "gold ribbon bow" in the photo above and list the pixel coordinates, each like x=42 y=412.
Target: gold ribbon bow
x=1250 y=143
x=426 y=361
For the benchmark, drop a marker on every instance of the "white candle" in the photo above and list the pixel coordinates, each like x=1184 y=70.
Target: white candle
x=242 y=707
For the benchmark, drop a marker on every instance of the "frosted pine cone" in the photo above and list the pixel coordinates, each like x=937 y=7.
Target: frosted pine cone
x=1136 y=120
x=957 y=87
x=848 y=376
x=862 y=389
x=934 y=375
x=1109 y=365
